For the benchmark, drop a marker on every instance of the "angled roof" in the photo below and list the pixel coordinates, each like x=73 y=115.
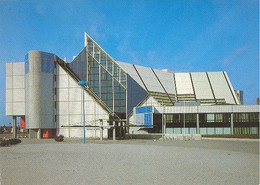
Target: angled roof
x=203 y=87
x=165 y=86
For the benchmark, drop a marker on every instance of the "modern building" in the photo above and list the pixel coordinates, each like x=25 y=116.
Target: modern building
x=44 y=93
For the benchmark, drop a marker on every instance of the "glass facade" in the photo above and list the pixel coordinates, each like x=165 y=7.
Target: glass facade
x=213 y=123
x=106 y=79
x=246 y=130
x=47 y=62
x=93 y=76
x=246 y=117
x=179 y=118
x=214 y=118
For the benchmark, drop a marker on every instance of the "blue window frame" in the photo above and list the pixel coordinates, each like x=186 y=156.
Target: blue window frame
x=147 y=109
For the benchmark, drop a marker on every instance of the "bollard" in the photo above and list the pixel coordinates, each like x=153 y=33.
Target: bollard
x=14 y=127
x=120 y=129
x=101 y=129
x=114 y=131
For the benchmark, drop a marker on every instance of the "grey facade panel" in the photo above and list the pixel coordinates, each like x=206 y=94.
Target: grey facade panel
x=47 y=98
x=8 y=95
x=129 y=68
x=183 y=83
x=9 y=69
x=19 y=95
x=135 y=94
x=8 y=109
x=18 y=69
x=201 y=86
x=221 y=87
x=19 y=108
x=27 y=99
x=231 y=88
x=149 y=79
x=18 y=81
x=8 y=82
x=167 y=80
x=78 y=65
x=15 y=89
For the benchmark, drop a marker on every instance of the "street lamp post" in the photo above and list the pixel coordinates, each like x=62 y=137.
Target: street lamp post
x=82 y=83
x=184 y=121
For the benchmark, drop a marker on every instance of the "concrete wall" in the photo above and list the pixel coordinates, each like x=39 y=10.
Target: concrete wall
x=39 y=90
x=33 y=91
x=47 y=97
x=69 y=108
x=15 y=89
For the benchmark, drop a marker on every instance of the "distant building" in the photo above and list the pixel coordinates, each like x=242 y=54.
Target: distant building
x=240 y=96
x=43 y=91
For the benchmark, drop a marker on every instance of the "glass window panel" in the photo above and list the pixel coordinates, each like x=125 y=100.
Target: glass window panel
x=109 y=65
x=203 y=131
x=254 y=130
x=169 y=118
x=117 y=109
x=227 y=130
x=219 y=130
x=169 y=130
x=253 y=117
x=219 y=117
x=96 y=53
x=177 y=130
x=103 y=59
x=110 y=90
x=116 y=72
x=123 y=109
x=122 y=102
x=192 y=130
x=226 y=117
x=241 y=117
x=210 y=131
x=90 y=47
x=176 y=118
x=210 y=118
x=186 y=130
x=190 y=118
x=122 y=78
x=47 y=56
x=47 y=66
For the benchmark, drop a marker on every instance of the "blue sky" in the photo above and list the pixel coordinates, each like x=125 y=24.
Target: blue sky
x=182 y=35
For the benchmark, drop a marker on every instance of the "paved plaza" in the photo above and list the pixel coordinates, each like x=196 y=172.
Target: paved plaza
x=207 y=161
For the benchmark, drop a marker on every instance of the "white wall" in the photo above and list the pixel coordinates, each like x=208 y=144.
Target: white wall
x=69 y=109
x=15 y=89
x=150 y=101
